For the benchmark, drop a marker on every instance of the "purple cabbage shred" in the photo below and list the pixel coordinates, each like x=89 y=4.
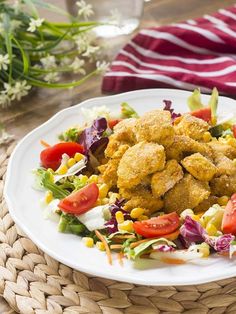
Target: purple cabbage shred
x=112 y=225
x=167 y=107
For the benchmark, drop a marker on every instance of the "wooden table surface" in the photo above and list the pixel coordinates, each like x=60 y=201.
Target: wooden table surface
x=42 y=104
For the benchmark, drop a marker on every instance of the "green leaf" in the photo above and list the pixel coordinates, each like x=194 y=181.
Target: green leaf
x=127 y=111
x=70 y=224
x=25 y=58
x=213 y=104
x=8 y=41
x=70 y=135
x=194 y=101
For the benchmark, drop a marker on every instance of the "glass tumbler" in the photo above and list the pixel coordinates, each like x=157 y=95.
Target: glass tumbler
x=122 y=16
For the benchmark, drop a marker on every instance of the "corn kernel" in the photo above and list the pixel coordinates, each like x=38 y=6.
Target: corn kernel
x=119 y=217
x=211 y=229
x=78 y=156
x=213 y=120
x=93 y=179
x=113 y=197
x=127 y=225
x=143 y=217
x=88 y=241
x=223 y=200
x=48 y=197
x=71 y=162
x=186 y=212
x=62 y=169
x=105 y=201
x=195 y=217
x=98 y=202
x=103 y=190
x=228 y=136
x=207 y=137
x=100 y=246
x=231 y=141
x=137 y=212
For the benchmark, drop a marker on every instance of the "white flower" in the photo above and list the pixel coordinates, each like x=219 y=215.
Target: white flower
x=52 y=77
x=65 y=61
x=48 y=62
x=90 y=51
x=34 y=24
x=85 y=10
x=4 y=61
x=77 y=66
x=102 y=66
x=5 y=100
x=20 y=89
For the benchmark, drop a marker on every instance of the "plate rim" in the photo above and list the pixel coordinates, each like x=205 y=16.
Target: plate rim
x=54 y=255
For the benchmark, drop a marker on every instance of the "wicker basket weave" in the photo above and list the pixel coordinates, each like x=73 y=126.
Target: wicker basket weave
x=33 y=282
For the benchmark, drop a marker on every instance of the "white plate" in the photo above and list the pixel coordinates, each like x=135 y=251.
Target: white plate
x=24 y=207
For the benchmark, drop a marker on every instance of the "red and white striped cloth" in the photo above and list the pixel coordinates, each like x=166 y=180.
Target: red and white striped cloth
x=195 y=53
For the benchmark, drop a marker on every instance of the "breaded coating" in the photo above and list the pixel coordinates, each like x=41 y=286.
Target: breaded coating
x=155 y=126
x=206 y=204
x=109 y=170
x=223 y=185
x=224 y=165
x=163 y=181
x=191 y=126
x=223 y=148
x=188 y=193
x=184 y=146
x=139 y=161
x=199 y=166
x=124 y=130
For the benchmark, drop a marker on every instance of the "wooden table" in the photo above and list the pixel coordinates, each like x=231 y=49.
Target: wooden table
x=42 y=104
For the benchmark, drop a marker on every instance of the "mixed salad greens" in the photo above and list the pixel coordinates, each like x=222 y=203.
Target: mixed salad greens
x=82 y=204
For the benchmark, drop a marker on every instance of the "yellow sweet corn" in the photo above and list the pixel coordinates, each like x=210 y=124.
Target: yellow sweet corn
x=119 y=217
x=105 y=201
x=223 y=200
x=93 y=179
x=207 y=137
x=100 y=246
x=78 y=156
x=127 y=225
x=62 y=169
x=71 y=162
x=211 y=229
x=143 y=217
x=103 y=190
x=231 y=141
x=113 y=197
x=88 y=241
x=137 y=212
x=98 y=202
x=48 y=197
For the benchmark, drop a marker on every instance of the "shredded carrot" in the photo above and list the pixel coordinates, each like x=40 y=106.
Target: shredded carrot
x=170 y=236
x=42 y=142
x=174 y=261
x=120 y=256
x=103 y=240
x=115 y=246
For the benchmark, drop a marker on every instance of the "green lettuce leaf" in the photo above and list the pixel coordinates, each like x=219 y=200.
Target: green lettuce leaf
x=194 y=101
x=127 y=111
x=213 y=103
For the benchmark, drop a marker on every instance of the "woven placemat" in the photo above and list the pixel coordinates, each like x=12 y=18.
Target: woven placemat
x=33 y=282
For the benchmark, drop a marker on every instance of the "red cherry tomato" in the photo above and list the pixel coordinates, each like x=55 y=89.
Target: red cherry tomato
x=157 y=226
x=81 y=201
x=234 y=130
x=112 y=123
x=51 y=157
x=203 y=113
x=229 y=217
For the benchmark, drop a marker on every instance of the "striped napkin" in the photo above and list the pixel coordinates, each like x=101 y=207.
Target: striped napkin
x=195 y=53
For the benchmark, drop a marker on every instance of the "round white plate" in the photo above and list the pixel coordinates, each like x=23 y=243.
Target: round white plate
x=23 y=201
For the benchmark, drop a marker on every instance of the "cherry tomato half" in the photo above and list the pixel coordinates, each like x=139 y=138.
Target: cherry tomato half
x=234 y=130
x=81 y=201
x=51 y=156
x=229 y=217
x=157 y=226
x=112 y=123
x=203 y=113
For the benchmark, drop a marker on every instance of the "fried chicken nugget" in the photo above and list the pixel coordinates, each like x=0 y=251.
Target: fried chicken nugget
x=224 y=165
x=141 y=196
x=223 y=185
x=206 y=204
x=188 y=193
x=163 y=181
x=184 y=145
x=191 y=126
x=109 y=170
x=123 y=135
x=139 y=161
x=199 y=167
x=155 y=126
x=223 y=148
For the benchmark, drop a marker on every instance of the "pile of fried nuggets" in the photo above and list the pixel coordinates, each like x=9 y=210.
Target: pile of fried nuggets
x=159 y=165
